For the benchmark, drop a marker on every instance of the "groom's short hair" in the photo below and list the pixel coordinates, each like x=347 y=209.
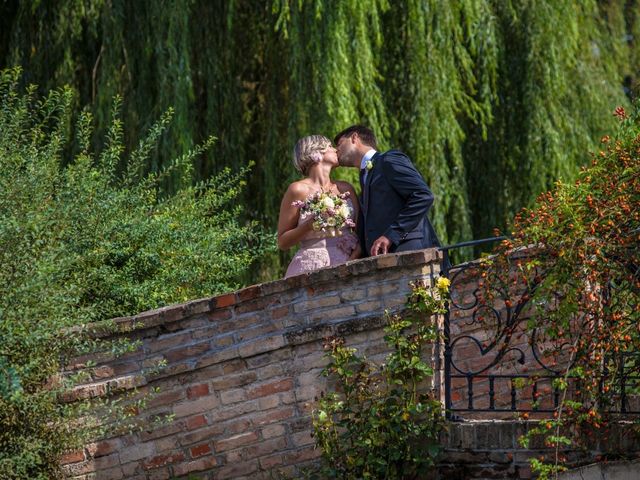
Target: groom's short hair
x=365 y=133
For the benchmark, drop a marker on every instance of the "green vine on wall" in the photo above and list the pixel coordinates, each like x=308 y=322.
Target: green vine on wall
x=383 y=420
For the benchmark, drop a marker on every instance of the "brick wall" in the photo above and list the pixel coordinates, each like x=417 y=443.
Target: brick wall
x=242 y=369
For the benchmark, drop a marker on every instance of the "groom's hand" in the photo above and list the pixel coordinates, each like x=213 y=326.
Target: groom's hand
x=380 y=246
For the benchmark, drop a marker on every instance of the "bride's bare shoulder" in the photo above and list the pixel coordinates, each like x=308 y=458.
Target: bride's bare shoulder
x=299 y=188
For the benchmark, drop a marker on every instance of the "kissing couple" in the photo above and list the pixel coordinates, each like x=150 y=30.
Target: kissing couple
x=321 y=214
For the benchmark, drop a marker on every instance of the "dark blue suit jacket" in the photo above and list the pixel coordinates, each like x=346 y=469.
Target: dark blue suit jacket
x=395 y=200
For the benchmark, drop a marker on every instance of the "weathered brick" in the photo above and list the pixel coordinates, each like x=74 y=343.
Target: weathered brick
x=227 y=300
x=280 y=312
x=75 y=469
x=235 y=441
x=328 y=301
x=137 y=452
x=232 y=381
x=261 y=345
x=199 y=306
x=273 y=416
x=334 y=313
x=267 y=463
x=301 y=439
x=133 y=470
x=237 y=426
x=366 y=307
x=271 y=388
x=268 y=372
x=196 y=421
x=239 y=322
x=203 y=434
x=394 y=302
x=233 y=396
x=220 y=314
x=196 y=391
x=189 y=351
x=107 y=461
x=158 y=474
x=235 y=410
x=234 y=366
x=166 y=444
x=276 y=400
x=237 y=470
x=312 y=377
x=72 y=457
x=257 y=331
x=234 y=456
x=215 y=357
x=85 y=391
x=161 y=431
x=162 y=460
x=302 y=455
x=165 y=398
x=172 y=313
x=351 y=294
x=104 y=371
x=379 y=290
x=200 y=450
x=308 y=392
x=198 y=465
x=257 y=305
x=266 y=447
x=271 y=431
x=387 y=261
x=167 y=342
x=249 y=293
x=202 y=404
x=274 y=357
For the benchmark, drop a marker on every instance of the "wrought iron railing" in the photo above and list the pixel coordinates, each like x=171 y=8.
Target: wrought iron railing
x=508 y=370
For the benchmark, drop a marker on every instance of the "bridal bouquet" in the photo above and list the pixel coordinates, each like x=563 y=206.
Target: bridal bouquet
x=331 y=212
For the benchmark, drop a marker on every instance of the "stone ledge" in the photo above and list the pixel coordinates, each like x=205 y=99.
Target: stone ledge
x=172 y=313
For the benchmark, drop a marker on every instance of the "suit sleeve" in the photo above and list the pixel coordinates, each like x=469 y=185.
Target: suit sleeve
x=412 y=189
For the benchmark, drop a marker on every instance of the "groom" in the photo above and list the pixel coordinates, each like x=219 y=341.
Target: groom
x=395 y=198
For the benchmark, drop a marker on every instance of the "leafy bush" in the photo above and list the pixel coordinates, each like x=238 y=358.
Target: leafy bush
x=584 y=284
x=89 y=237
x=382 y=421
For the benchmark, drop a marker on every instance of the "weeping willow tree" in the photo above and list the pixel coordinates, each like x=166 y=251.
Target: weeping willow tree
x=493 y=99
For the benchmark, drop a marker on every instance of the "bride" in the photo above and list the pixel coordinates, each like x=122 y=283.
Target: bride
x=315 y=157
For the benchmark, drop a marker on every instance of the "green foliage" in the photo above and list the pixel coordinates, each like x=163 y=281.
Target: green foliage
x=583 y=280
x=88 y=238
x=493 y=100
x=381 y=422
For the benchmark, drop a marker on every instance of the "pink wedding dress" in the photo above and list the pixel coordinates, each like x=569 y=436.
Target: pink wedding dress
x=321 y=249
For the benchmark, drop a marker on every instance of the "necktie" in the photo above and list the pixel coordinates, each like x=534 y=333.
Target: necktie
x=363 y=179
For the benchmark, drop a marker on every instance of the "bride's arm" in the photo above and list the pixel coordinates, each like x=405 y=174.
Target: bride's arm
x=289 y=232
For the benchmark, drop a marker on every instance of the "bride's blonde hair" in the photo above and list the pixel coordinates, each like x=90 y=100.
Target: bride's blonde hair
x=308 y=151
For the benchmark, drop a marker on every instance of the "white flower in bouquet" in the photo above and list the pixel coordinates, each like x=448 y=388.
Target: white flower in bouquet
x=344 y=210
x=328 y=201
